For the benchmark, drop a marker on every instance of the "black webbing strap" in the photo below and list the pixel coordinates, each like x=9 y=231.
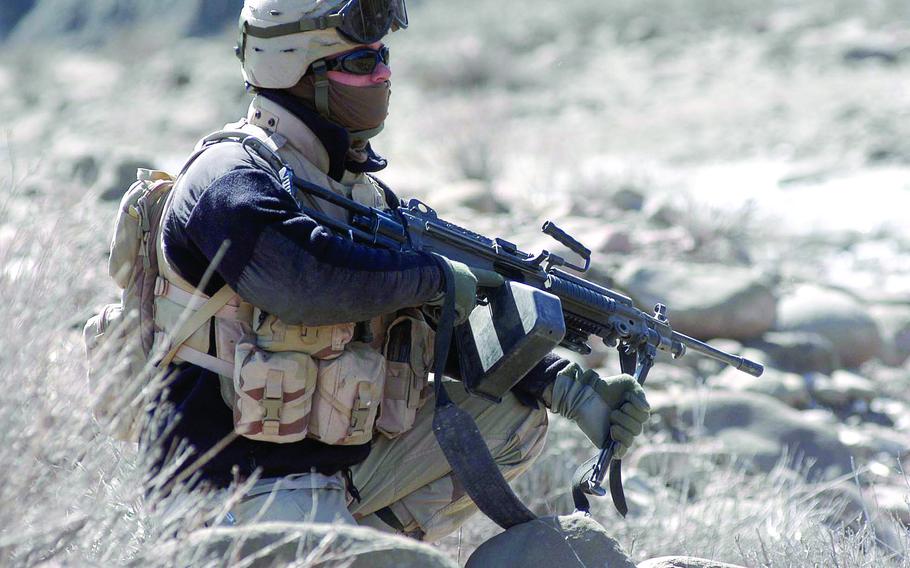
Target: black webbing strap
x=460 y=438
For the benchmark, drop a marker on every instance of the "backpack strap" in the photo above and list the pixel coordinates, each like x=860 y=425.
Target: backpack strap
x=197 y=319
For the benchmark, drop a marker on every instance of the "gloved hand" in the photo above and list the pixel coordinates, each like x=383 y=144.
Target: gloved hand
x=604 y=409
x=467 y=280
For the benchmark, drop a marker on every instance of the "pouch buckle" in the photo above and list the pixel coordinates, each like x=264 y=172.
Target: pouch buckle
x=271 y=403
x=360 y=414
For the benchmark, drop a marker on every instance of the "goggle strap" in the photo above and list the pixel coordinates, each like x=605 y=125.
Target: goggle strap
x=322 y=88
x=303 y=25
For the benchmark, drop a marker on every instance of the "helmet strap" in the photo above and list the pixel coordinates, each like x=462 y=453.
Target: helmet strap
x=322 y=89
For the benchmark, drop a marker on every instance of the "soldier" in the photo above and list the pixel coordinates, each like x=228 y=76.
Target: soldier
x=299 y=376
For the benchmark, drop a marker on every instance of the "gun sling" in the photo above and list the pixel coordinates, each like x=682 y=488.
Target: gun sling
x=460 y=439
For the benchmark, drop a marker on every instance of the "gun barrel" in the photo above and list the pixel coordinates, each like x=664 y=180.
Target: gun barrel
x=735 y=361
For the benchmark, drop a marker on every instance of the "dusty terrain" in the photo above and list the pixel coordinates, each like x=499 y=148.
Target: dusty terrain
x=746 y=162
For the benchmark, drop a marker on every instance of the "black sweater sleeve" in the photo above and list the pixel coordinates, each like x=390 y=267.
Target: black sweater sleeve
x=284 y=262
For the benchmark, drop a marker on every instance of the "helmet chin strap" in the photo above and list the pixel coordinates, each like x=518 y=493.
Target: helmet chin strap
x=322 y=102
x=322 y=89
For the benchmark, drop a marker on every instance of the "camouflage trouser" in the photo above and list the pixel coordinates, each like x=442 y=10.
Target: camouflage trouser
x=409 y=476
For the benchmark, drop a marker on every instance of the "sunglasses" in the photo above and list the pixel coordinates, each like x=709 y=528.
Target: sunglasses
x=360 y=61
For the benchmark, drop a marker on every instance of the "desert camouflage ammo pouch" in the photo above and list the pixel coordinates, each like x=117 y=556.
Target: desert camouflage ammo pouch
x=321 y=342
x=348 y=392
x=274 y=394
x=276 y=373
x=409 y=357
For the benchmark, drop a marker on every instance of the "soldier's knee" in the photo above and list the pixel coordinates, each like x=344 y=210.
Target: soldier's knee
x=528 y=433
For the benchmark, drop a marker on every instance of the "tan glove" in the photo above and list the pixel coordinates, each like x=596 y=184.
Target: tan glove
x=612 y=408
x=467 y=280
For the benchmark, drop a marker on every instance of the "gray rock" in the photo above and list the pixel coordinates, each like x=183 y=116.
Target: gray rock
x=665 y=375
x=879 y=53
x=572 y=540
x=894 y=324
x=890 y=500
x=837 y=316
x=118 y=175
x=797 y=352
x=705 y=300
x=473 y=194
x=788 y=388
x=281 y=544
x=758 y=426
x=679 y=463
x=871 y=441
x=842 y=389
x=684 y=562
x=628 y=199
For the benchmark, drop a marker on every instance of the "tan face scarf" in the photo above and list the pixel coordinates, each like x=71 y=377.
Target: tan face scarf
x=354 y=108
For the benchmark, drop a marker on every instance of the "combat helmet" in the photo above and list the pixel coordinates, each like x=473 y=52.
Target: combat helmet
x=281 y=39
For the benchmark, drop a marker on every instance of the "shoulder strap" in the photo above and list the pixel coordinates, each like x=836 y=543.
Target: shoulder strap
x=196 y=320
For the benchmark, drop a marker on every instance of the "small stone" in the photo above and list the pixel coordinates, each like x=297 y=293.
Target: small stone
x=684 y=562
x=628 y=199
x=120 y=174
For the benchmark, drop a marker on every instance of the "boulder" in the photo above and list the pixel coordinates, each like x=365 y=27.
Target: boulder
x=704 y=300
x=841 y=390
x=797 y=352
x=757 y=426
x=684 y=562
x=835 y=315
x=281 y=544
x=871 y=441
x=572 y=540
x=894 y=324
x=788 y=388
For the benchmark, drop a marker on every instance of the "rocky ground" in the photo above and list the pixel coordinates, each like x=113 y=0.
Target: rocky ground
x=745 y=163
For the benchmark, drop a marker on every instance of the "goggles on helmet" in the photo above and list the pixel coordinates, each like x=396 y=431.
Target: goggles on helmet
x=361 y=21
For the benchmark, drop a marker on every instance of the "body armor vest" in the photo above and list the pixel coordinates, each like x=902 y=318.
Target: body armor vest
x=285 y=382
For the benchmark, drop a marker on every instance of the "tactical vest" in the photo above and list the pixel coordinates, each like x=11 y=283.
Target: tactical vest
x=285 y=382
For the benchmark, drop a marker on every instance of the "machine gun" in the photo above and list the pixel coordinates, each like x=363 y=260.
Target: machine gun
x=541 y=306
x=550 y=306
